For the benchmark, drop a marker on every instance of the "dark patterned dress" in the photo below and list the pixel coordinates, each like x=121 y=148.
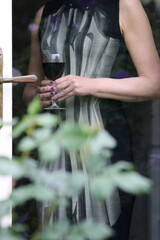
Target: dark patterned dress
x=88 y=33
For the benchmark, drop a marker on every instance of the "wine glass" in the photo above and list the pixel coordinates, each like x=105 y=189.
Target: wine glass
x=53 y=67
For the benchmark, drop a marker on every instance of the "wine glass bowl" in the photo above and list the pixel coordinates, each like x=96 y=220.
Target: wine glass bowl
x=53 y=67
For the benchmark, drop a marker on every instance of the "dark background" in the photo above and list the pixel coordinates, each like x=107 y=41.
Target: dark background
x=23 y=14
x=139 y=114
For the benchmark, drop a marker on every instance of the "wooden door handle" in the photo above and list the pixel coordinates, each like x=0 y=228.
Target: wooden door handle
x=19 y=79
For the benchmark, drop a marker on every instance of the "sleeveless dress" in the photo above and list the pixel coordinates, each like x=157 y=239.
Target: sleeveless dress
x=87 y=32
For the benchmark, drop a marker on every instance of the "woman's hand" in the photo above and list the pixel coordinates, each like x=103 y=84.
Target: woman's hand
x=45 y=91
x=72 y=85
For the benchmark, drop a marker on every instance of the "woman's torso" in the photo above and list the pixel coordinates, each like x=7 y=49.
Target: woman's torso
x=88 y=35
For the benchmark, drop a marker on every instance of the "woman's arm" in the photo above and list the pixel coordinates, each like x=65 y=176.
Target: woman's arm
x=138 y=37
x=35 y=63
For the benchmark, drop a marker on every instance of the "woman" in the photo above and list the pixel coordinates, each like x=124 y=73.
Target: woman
x=90 y=34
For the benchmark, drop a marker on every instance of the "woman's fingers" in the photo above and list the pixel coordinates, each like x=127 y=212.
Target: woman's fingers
x=46 y=103
x=64 y=87
x=61 y=88
x=65 y=96
x=63 y=79
x=46 y=89
x=66 y=92
x=46 y=82
x=45 y=99
x=45 y=95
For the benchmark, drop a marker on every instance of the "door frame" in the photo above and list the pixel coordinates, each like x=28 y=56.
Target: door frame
x=6 y=131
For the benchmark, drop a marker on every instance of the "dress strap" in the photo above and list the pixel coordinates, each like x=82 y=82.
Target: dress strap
x=111 y=7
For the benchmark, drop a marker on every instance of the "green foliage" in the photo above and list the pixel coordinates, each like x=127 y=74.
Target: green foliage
x=36 y=131
x=8 y=234
x=83 y=231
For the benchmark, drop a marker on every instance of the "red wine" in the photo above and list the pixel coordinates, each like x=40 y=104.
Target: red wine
x=53 y=70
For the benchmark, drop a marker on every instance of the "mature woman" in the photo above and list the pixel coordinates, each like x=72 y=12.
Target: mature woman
x=90 y=34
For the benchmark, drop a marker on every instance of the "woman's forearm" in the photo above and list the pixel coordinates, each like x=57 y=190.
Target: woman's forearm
x=29 y=93
x=131 y=89
x=128 y=89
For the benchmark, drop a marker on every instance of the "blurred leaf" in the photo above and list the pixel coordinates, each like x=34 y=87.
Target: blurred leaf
x=97 y=162
x=89 y=230
x=103 y=140
x=31 y=191
x=19 y=168
x=122 y=166
x=97 y=231
x=28 y=122
x=43 y=176
x=34 y=107
x=133 y=183
x=20 y=128
x=42 y=134
x=76 y=183
x=84 y=230
x=102 y=187
x=30 y=168
x=119 y=175
x=14 y=121
x=9 y=167
x=72 y=136
x=49 y=151
x=123 y=175
x=27 y=144
x=60 y=183
x=47 y=120
x=7 y=234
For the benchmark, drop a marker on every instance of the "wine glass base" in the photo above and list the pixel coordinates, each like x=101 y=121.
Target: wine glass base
x=54 y=106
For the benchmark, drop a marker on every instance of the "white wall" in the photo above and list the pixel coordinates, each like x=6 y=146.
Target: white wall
x=5 y=132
